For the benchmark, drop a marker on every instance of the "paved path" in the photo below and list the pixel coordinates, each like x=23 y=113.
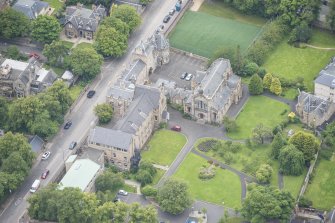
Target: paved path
x=280 y=181
x=291 y=103
x=319 y=48
x=161 y=167
x=235 y=109
x=196 y=5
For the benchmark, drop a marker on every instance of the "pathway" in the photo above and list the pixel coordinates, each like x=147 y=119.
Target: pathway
x=319 y=48
x=161 y=167
x=291 y=103
x=235 y=109
x=134 y=184
x=280 y=180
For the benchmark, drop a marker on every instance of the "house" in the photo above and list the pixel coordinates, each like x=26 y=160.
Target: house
x=83 y=22
x=20 y=79
x=68 y=78
x=324 y=84
x=81 y=174
x=32 y=8
x=36 y=143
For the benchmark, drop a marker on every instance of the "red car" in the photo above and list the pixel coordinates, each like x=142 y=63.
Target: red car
x=176 y=128
x=34 y=55
x=45 y=174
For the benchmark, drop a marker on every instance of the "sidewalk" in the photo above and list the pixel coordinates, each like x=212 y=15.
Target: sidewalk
x=161 y=167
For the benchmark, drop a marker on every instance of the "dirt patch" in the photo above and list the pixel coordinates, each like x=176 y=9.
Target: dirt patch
x=197 y=3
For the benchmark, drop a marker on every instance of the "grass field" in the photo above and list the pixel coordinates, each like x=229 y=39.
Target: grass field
x=224 y=187
x=322 y=189
x=164 y=147
x=56 y=4
x=215 y=32
x=254 y=113
x=290 y=62
x=293 y=183
x=75 y=91
x=158 y=176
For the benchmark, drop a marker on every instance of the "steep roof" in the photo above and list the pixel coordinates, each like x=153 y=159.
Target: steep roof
x=313 y=104
x=36 y=143
x=133 y=72
x=327 y=75
x=124 y=93
x=31 y=8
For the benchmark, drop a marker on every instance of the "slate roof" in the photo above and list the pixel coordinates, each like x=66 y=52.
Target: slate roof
x=110 y=137
x=36 y=143
x=327 y=75
x=117 y=91
x=313 y=104
x=30 y=8
x=155 y=42
x=146 y=99
x=221 y=98
x=137 y=2
x=132 y=73
x=83 y=18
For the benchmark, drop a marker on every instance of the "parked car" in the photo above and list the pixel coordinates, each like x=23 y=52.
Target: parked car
x=171 y=12
x=90 y=94
x=35 y=55
x=68 y=124
x=176 y=128
x=46 y=155
x=183 y=75
x=189 y=77
x=161 y=27
x=45 y=174
x=123 y=192
x=73 y=145
x=167 y=19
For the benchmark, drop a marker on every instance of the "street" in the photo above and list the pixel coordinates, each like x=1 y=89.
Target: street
x=82 y=115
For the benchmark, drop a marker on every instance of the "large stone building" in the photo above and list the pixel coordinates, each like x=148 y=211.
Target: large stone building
x=83 y=22
x=19 y=79
x=32 y=8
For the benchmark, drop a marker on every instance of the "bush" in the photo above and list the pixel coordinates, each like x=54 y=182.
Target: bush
x=162 y=125
x=228 y=158
x=208 y=145
x=235 y=148
x=207 y=173
x=305 y=202
x=283 y=112
x=149 y=191
x=250 y=69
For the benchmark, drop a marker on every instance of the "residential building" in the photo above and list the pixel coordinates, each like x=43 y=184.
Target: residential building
x=83 y=22
x=324 y=84
x=20 y=79
x=81 y=174
x=32 y=8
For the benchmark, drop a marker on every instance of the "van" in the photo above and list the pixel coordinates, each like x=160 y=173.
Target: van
x=35 y=186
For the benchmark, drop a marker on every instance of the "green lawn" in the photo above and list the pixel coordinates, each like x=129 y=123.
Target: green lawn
x=84 y=45
x=293 y=183
x=75 y=91
x=129 y=188
x=164 y=147
x=215 y=32
x=67 y=43
x=290 y=62
x=158 y=176
x=255 y=113
x=224 y=187
x=322 y=189
x=55 y=4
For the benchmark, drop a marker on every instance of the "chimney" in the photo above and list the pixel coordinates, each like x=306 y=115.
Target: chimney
x=94 y=7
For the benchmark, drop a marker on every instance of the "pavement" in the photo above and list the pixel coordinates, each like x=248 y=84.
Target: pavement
x=82 y=116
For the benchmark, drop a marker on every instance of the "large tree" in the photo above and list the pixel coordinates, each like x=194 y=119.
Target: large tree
x=109 y=181
x=260 y=133
x=3 y=111
x=276 y=86
x=306 y=143
x=45 y=29
x=331 y=15
x=104 y=112
x=291 y=161
x=110 y=42
x=267 y=79
x=13 y=23
x=85 y=62
x=146 y=214
x=267 y=203
x=173 y=197
x=61 y=93
x=56 y=52
x=117 y=24
x=255 y=85
x=276 y=145
x=128 y=15
x=328 y=142
x=264 y=173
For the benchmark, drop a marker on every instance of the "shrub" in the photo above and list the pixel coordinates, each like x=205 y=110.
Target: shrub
x=235 y=148
x=162 y=125
x=228 y=158
x=305 y=202
x=250 y=69
x=210 y=161
x=208 y=145
x=207 y=173
x=149 y=191
x=283 y=112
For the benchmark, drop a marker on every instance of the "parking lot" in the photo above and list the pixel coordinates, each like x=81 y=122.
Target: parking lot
x=179 y=63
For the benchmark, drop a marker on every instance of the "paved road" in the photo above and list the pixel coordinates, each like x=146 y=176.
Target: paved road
x=82 y=115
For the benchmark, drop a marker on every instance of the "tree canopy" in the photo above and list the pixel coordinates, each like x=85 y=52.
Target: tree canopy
x=13 y=23
x=264 y=173
x=117 y=24
x=260 y=133
x=306 y=143
x=45 y=29
x=291 y=161
x=128 y=15
x=276 y=145
x=267 y=79
x=104 y=112
x=276 y=86
x=109 y=181
x=56 y=52
x=255 y=85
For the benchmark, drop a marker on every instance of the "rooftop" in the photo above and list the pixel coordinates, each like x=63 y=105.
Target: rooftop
x=327 y=75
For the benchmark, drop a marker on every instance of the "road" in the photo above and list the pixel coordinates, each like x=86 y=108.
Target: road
x=82 y=115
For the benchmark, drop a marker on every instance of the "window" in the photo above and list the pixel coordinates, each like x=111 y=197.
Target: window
x=125 y=159
x=156 y=117
x=114 y=155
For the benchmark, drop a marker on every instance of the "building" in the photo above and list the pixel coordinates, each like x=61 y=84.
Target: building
x=324 y=84
x=32 y=8
x=81 y=174
x=20 y=79
x=83 y=22
x=36 y=143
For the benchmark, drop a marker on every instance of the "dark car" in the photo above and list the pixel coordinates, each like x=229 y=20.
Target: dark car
x=171 y=12
x=176 y=128
x=67 y=125
x=90 y=94
x=45 y=174
x=183 y=75
x=167 y=19
x=73 y=145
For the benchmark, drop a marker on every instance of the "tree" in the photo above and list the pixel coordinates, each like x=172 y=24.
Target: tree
x=279 y=204
x=267 y=80
x=3 y=111
x=301 y=33
x=109 y=181
x=147 y=214
x=276 y=145
x=148 y=167
x=275 y=86
x=45 y=29
x=61 y=93
x=328 y=142
x=250 y=69
x=264 y=173
x=43 y=125
x=144 y=177
x=111 y=212
x=306 y=143
x=255 y=85
x=149 y=191
x=260 y=133
x=128 y=15
x=104 y=112
x=56 y=52
x=291 y=161
x=117 y=24
x=110 y=42
x=13 y=23
x=331 y=15
x=229 y=124
x=145 y=2
x=85 y=62
x=173 y=197
x=13 y=52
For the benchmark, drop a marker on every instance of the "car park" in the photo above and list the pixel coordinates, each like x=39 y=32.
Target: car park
x=189 y=77
x=68 y=124
x=73 y=145
x=167 y=19
x=45 y=174
x=183 y=75
x=90 y=94
x=176 y=128
x=171 y=12
x=46 y=155
x=123 y=192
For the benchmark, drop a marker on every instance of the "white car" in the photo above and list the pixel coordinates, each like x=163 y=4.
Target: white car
x=123 y=192
x=189 y=77
x=46 y=155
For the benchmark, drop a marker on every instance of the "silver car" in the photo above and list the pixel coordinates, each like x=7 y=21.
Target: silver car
x=189 y=77
x=46 y=155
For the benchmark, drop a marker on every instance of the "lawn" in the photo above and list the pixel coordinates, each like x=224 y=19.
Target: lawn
x=322 y=190
x=164 y=147
x=224 y=187
x=158 y=176
x=67 y=43
x=293 y=183
x=56 y=4
x=85 y=45
x=255 y=113
x=216 y=32
x=75 y=91
x=290 y=62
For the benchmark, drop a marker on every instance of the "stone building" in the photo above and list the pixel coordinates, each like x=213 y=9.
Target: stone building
x=324 y=84
x=83 y=22
x=32 y=8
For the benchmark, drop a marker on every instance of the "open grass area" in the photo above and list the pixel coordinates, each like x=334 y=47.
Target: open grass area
x=215 y=32
x=129 y=188
x=163 y=147
x=291 y=62
x=67 y=43
x=158 y=176
x=56 y=4
x=322 y=190
x=293 y=183
x=84 y=45
x=224 y=187
x=75 y=91
x=255 y=113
